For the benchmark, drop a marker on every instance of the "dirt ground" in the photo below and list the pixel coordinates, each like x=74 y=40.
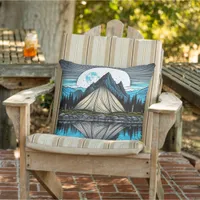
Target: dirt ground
x=191 y=129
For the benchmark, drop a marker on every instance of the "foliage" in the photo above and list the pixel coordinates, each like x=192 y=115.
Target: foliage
x=176 y=23
x=45 y=100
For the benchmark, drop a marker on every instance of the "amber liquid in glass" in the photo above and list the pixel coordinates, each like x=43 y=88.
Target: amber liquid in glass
x=30 y=47
x=30 y=52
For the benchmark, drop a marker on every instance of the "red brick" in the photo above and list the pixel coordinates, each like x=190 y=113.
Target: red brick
x=188 y=180
x=33 y=187
x=71 y=195
x=164 y=181
x=118 y=195
x=7 y=178
x=139 y=181
x=86 y=186
x=109 y=180
x=8 y=184
x=80 y=187
x=8 y=170
x=172 y=165
x=118 y=198
x=106 y=188
x=171 y=196
x=191 y=188
x=193 y=196
x=182 y=197
x=182 y=183
x=66 y=179
x=145 y=196
x=83 y=179
x=8 y=188
x=125 y=188
x=92 y=195
x=39 y=195
x=8 y=163
x=8 y=195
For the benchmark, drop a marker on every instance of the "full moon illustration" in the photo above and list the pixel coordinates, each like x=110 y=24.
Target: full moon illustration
x=93 y=75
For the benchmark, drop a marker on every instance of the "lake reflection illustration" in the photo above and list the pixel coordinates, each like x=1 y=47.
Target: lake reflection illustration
x=99 y=130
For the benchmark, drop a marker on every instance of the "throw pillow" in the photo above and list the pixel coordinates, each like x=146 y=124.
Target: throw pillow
x=100 y=102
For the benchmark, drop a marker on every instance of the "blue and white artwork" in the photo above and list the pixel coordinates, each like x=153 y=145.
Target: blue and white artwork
x=103 y=103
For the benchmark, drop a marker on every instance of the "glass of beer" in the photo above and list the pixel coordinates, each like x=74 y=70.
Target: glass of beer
x=30 y=46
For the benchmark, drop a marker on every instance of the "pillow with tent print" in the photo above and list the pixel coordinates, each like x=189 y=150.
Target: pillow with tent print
x=100 y=102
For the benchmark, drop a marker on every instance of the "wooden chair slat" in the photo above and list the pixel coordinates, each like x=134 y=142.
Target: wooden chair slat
x=76 y=48
x=114 y=28
x=96 y=31
x=133 y=33
x=143 y=52
x=121 y=52
x=99 y=51
x=152 y=95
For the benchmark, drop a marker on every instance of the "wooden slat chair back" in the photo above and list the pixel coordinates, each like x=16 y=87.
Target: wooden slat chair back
x=112 y=51
x=115 y=52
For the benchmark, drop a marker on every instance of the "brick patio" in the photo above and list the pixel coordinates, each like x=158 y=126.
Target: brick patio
x=180 y=181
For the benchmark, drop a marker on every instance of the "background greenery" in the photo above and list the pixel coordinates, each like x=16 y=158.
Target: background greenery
x=176 y=23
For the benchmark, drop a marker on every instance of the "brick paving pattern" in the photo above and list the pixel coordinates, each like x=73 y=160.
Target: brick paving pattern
x=180 y=181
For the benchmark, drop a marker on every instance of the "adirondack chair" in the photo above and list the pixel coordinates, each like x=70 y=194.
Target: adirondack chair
x=159 y=117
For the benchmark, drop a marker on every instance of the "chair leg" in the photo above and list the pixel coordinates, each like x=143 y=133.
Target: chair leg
x=50 y=182
x=160 y=191
x=24 y=180
x=153 y=184
x=154 y=158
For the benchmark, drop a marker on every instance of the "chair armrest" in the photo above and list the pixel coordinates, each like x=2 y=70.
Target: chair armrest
x=167 y=112
x=26 y=97
x=167 y=103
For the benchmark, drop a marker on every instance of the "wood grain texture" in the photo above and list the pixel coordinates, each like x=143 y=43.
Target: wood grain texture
x=114 y=28
x=167 y=103
x=76 y=48
x=103 y=165
x=14 y=115
x=153 y=92
x=50 y=182
x=154 y=158
x=48 y=18
x=96 y=31
x=98 y=51
x=160 y=190
x=24 y=131
x=121 y=52
x=27 y=97
x=134 y=33
x=58 y=86
x=184 y=82
x=19 y=83
x=24 y=70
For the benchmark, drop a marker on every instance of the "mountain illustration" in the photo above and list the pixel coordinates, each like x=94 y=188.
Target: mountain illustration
x=67 y=91
x=96 y=130
x=104 y=96
x=108 y=82
x=100 y=100
x=141 y=94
